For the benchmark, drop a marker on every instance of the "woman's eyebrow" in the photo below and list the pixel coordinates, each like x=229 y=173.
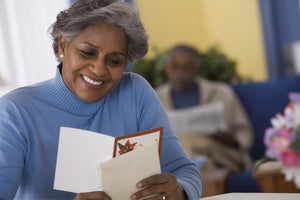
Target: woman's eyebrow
x=92 y=45
x=95 y=46
x=118 y=53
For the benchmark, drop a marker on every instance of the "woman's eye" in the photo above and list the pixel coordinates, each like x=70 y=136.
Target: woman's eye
x=87 y=53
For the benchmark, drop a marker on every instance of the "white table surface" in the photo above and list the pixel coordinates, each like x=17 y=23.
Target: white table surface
x=255 y=196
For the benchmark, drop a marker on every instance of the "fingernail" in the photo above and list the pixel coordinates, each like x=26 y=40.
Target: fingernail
x=139 y=185
x=133 y=196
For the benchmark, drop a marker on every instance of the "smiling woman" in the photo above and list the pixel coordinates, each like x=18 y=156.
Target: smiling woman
x=93 y=40
x=94 y=61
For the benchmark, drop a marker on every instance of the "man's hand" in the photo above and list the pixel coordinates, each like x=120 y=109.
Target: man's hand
x=226 y=139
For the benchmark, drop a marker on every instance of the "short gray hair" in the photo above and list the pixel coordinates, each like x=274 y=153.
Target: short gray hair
x=83 y=13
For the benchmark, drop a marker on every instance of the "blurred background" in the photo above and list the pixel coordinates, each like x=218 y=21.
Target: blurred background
x=26 y=54
x=259 y=39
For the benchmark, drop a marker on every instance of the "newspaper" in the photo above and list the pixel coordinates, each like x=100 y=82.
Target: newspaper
x=203 y=119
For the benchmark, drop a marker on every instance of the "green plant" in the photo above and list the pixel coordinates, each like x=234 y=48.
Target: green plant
x=151 y=69
x=215 y=65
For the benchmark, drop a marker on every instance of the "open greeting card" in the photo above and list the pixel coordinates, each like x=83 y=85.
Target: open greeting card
x=89 y=161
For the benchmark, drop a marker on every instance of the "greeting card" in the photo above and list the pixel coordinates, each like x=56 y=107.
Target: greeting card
x=80 y=152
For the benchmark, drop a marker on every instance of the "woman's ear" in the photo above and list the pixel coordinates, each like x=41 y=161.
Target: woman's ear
x=62 y=45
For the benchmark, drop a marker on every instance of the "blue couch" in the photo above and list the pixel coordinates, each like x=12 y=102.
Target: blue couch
x=261 y=100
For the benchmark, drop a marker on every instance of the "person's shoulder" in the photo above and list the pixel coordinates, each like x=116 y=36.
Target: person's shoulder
x=164 y=88
x=24 y=93
x=134 y=77
x=135 y=80
x=214 y=85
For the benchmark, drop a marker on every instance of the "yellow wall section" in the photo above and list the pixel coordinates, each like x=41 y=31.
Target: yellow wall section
x=234 y=25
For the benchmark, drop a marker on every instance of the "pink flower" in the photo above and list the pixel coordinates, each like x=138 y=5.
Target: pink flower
x=283 y=138
x=290 y=158
x=279 y=144
x=285 y=133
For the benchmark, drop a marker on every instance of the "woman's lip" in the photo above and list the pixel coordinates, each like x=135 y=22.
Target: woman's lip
x=92 y=83
x=92 y=80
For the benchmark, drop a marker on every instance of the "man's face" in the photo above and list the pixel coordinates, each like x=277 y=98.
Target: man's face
x=181 y=69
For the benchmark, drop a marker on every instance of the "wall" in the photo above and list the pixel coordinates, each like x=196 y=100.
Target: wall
x=26 y=55
x=233 y=25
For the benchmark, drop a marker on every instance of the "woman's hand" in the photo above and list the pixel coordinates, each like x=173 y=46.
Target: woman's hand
x=163 y=186
x=92 y=195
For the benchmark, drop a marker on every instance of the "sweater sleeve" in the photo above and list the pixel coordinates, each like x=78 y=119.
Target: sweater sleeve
x=151 y=114
x=12 y=149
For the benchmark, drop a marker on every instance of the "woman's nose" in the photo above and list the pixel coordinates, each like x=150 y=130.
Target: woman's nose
x=99 y=68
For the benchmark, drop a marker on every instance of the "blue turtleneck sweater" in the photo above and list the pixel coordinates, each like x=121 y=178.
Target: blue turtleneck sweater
x=30 y=119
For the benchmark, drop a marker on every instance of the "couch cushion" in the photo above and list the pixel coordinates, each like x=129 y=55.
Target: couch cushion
x=262 y=101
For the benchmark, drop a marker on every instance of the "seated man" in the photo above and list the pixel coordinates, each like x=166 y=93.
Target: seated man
x=224 y=148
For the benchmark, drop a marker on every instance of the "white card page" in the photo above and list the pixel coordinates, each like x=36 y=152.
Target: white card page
x=79 y=154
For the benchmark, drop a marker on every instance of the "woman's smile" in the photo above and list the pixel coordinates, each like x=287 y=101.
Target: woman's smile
x=91 y=83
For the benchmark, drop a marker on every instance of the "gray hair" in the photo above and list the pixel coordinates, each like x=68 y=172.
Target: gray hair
x=83 y=13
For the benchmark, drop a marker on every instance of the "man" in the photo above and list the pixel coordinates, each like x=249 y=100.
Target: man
x=224 y=149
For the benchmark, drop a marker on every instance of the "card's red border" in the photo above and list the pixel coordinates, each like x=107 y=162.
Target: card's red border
x=139 y=134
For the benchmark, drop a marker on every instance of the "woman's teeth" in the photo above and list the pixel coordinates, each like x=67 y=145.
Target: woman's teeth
x=87 y=79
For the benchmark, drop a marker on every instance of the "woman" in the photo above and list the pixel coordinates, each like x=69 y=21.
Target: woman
x=93 y=40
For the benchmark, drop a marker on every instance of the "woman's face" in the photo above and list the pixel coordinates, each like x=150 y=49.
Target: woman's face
x=94 y=61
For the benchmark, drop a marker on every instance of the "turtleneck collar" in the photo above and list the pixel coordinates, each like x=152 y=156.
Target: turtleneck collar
x=63 y=98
